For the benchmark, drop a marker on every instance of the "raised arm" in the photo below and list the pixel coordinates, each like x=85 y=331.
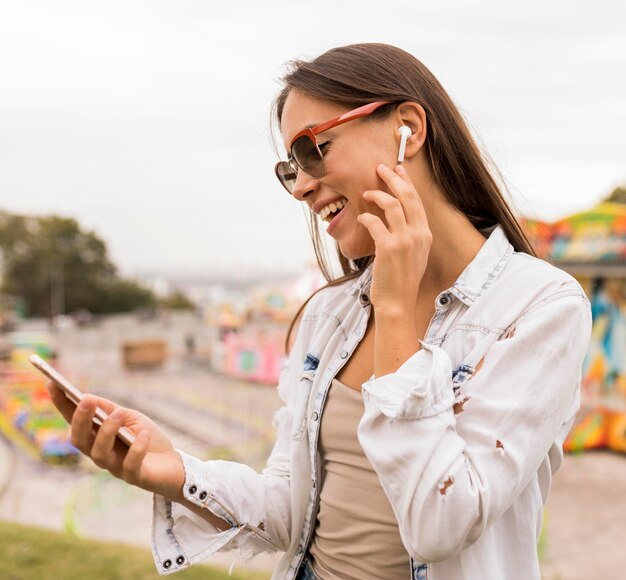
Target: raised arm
x=450 y=470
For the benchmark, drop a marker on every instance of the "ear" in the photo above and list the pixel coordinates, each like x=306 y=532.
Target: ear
x=413 y=116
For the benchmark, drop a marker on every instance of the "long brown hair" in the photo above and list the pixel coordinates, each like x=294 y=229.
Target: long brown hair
x=362 y=73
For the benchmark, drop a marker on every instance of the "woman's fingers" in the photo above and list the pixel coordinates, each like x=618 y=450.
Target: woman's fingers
x=82 y=425
x=402 y=187
x=392 y=207
x=375 y=226
x=61 y=402
x=102 y=450
x=99 y=443
x=104 y=404
x=398 y=180
x=137 y=452
x=67 y=407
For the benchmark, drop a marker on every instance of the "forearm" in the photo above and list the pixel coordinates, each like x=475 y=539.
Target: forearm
x=395 y=341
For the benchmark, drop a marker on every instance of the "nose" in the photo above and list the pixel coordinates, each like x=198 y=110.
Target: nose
x=304 y=186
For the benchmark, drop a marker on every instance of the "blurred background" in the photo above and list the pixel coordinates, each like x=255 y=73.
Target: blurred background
x=147 y=250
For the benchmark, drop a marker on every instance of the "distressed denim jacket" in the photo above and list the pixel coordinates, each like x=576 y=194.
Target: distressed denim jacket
x=465 y=436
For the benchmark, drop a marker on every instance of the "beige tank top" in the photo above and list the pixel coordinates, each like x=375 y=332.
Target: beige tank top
x=356 y=534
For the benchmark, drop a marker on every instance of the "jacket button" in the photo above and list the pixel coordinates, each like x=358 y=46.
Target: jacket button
x=192 y=489
x=180 y=560
x=444 y=300
x=299 y=550
x=202 y=495
x=315 y=416
x=364 y=298
x=167 y=564
x=344 y=354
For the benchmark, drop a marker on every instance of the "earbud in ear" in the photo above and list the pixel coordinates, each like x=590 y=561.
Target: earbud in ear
x=405 y=133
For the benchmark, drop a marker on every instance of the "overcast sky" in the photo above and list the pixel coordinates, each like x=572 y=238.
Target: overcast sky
x=148 y=120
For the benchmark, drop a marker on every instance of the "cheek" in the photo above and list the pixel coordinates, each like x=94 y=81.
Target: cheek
x=358 y=168
x=365 y=206
x=360 y=176
x=372 y=182
x=383 y=149
x=359 y=205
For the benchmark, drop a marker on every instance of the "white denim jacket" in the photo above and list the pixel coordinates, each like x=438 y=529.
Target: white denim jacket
x=465 y=436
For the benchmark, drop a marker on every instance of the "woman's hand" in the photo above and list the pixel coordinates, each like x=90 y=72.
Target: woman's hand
x=402 y=247
x=150 y=462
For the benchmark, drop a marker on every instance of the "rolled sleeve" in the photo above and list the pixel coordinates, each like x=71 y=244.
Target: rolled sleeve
x=179 y=536
x=199 y=490
x=255 y=505
x=420 y=388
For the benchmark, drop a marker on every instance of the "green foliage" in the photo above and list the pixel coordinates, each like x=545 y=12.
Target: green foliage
x=177 y=301
x=54 y=266
x=618 y=195
x=126 y=295
x=28 y=553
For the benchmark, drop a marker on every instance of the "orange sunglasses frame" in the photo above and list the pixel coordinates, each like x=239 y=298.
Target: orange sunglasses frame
x=311 y=132
x=361 y=111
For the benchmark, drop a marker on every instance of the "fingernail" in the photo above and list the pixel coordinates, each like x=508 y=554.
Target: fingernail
x=382 y=166
x=116 y=414
x=400 y=169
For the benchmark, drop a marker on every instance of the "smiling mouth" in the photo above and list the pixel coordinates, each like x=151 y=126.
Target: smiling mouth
x=332 y=215
x=329 y=213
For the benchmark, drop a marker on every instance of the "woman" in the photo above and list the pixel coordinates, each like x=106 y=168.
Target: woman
x=427 y=392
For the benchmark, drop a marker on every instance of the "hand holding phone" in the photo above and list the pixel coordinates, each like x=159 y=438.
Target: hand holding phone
x=75 y=395
x=148 y=460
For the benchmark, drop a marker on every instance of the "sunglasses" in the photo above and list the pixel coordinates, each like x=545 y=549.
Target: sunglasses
x=306 y=153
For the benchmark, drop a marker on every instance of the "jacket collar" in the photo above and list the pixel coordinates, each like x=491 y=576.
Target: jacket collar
x=362 y=283
x=475 y=278
x=480 y=273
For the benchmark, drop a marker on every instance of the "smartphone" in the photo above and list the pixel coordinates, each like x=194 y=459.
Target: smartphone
x=74 y=395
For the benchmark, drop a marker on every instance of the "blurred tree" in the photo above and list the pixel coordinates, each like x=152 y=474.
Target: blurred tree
x=54 y=267
x=176 y=300
x=123 y=295
x=618 y=195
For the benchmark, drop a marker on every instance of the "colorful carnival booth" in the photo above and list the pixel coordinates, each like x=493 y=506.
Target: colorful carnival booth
x=27 y=416
x=591 y=246
x=251 y=340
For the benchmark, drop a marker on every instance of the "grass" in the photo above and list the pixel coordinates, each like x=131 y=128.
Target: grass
x=28 y=553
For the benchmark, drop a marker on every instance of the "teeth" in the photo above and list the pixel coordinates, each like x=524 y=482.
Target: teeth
x=331 y=208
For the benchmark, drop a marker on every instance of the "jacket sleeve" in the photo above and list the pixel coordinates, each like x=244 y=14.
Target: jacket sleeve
x=450 y=468
x=256 y=505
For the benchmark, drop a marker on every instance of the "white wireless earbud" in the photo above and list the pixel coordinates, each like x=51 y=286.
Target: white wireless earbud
x=405 y=133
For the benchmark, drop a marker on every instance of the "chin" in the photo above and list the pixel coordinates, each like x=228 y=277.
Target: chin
x=353 y=252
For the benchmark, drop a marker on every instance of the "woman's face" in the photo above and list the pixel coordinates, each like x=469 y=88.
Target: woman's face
x=352 y=152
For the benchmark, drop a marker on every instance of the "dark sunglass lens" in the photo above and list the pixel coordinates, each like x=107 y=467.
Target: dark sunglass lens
x=286 y=175
x=308 y=156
